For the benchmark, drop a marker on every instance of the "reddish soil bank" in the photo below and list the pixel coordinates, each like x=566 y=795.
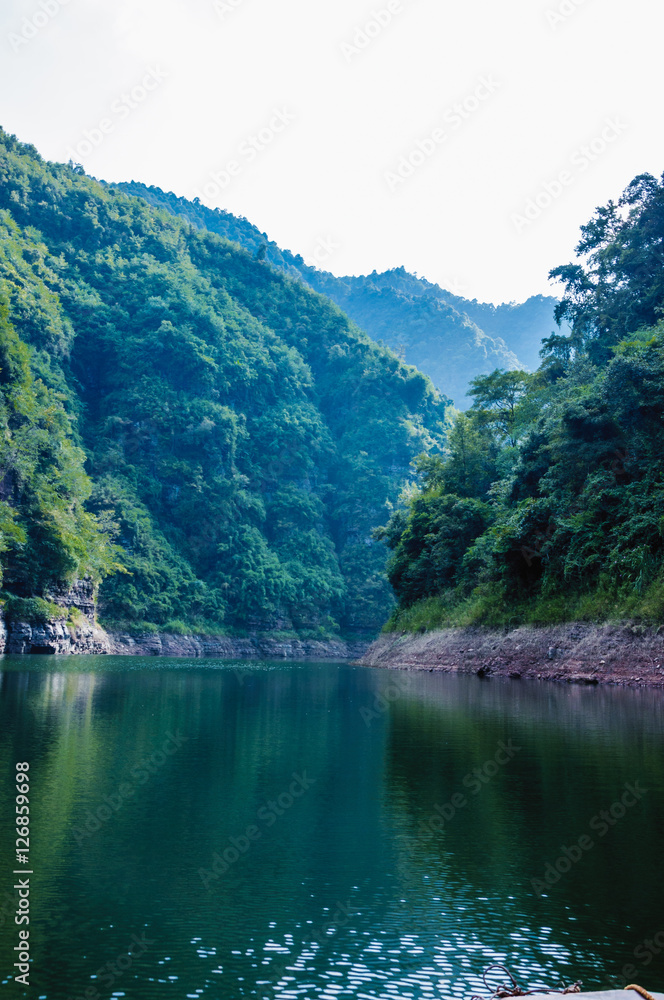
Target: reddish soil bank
x=579 y=653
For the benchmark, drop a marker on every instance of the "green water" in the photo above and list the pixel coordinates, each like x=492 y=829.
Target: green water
x=375 y=834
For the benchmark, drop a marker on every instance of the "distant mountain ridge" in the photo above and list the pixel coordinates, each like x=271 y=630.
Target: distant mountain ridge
x=448 y=337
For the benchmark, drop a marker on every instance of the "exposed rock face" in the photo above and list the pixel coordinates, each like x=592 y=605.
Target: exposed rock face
x=577 y=653
x=61 y=636
x=55 y=637
x=81 y=595
x=256 y=647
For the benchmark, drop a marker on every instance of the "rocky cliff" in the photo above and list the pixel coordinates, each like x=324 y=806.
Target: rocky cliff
x=254 y=647
x=76 y=631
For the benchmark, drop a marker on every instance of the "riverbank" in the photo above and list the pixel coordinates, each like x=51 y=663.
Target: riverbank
x=73 y=630
x=84 y=637
x=577 y=653
x=259 y=646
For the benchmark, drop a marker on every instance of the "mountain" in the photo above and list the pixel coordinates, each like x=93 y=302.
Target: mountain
x=522 y=326
x=202 y=434
x=450 y=338
x=549 y=503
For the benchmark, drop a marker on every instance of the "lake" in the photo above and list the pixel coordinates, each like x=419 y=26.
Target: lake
x=291 y=830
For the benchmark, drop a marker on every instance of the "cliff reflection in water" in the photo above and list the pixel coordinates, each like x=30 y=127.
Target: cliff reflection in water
x=282 y=829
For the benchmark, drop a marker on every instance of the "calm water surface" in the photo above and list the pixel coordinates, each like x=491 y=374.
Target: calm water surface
x=322 y=831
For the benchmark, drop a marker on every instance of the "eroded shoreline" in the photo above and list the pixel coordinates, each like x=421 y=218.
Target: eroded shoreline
x=60 y=637
x=625 y=654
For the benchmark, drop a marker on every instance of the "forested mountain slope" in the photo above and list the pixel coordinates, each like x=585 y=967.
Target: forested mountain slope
x=523 y=326
x=550 y=504
x=206 y=436
x=450 y=338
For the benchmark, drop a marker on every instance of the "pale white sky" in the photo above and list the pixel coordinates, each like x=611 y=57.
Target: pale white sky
x=409 y=132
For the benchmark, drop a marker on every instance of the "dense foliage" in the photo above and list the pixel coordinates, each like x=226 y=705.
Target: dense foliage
x=241 y=438
x=46 y=535
x=448 y=337
x=521 y=325
x=550 y=502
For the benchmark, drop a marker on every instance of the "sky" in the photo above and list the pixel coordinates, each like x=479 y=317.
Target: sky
x=467 y=140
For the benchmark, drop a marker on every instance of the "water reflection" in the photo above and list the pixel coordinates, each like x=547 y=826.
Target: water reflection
x=290 y=830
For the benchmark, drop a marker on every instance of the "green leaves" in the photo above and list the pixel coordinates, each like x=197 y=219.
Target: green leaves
x=46 y=534
x=566 y=464
x=618 y=288
x=242 y=437
x=500 y=399
x=428 y=553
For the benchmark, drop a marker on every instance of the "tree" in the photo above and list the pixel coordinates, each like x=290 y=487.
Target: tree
x=576 y=525
x=618 y=286
x=498 y=398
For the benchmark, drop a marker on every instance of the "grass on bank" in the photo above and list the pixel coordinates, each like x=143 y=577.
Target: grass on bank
x=33 y=610
x=488 y=607
x=173 y=627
